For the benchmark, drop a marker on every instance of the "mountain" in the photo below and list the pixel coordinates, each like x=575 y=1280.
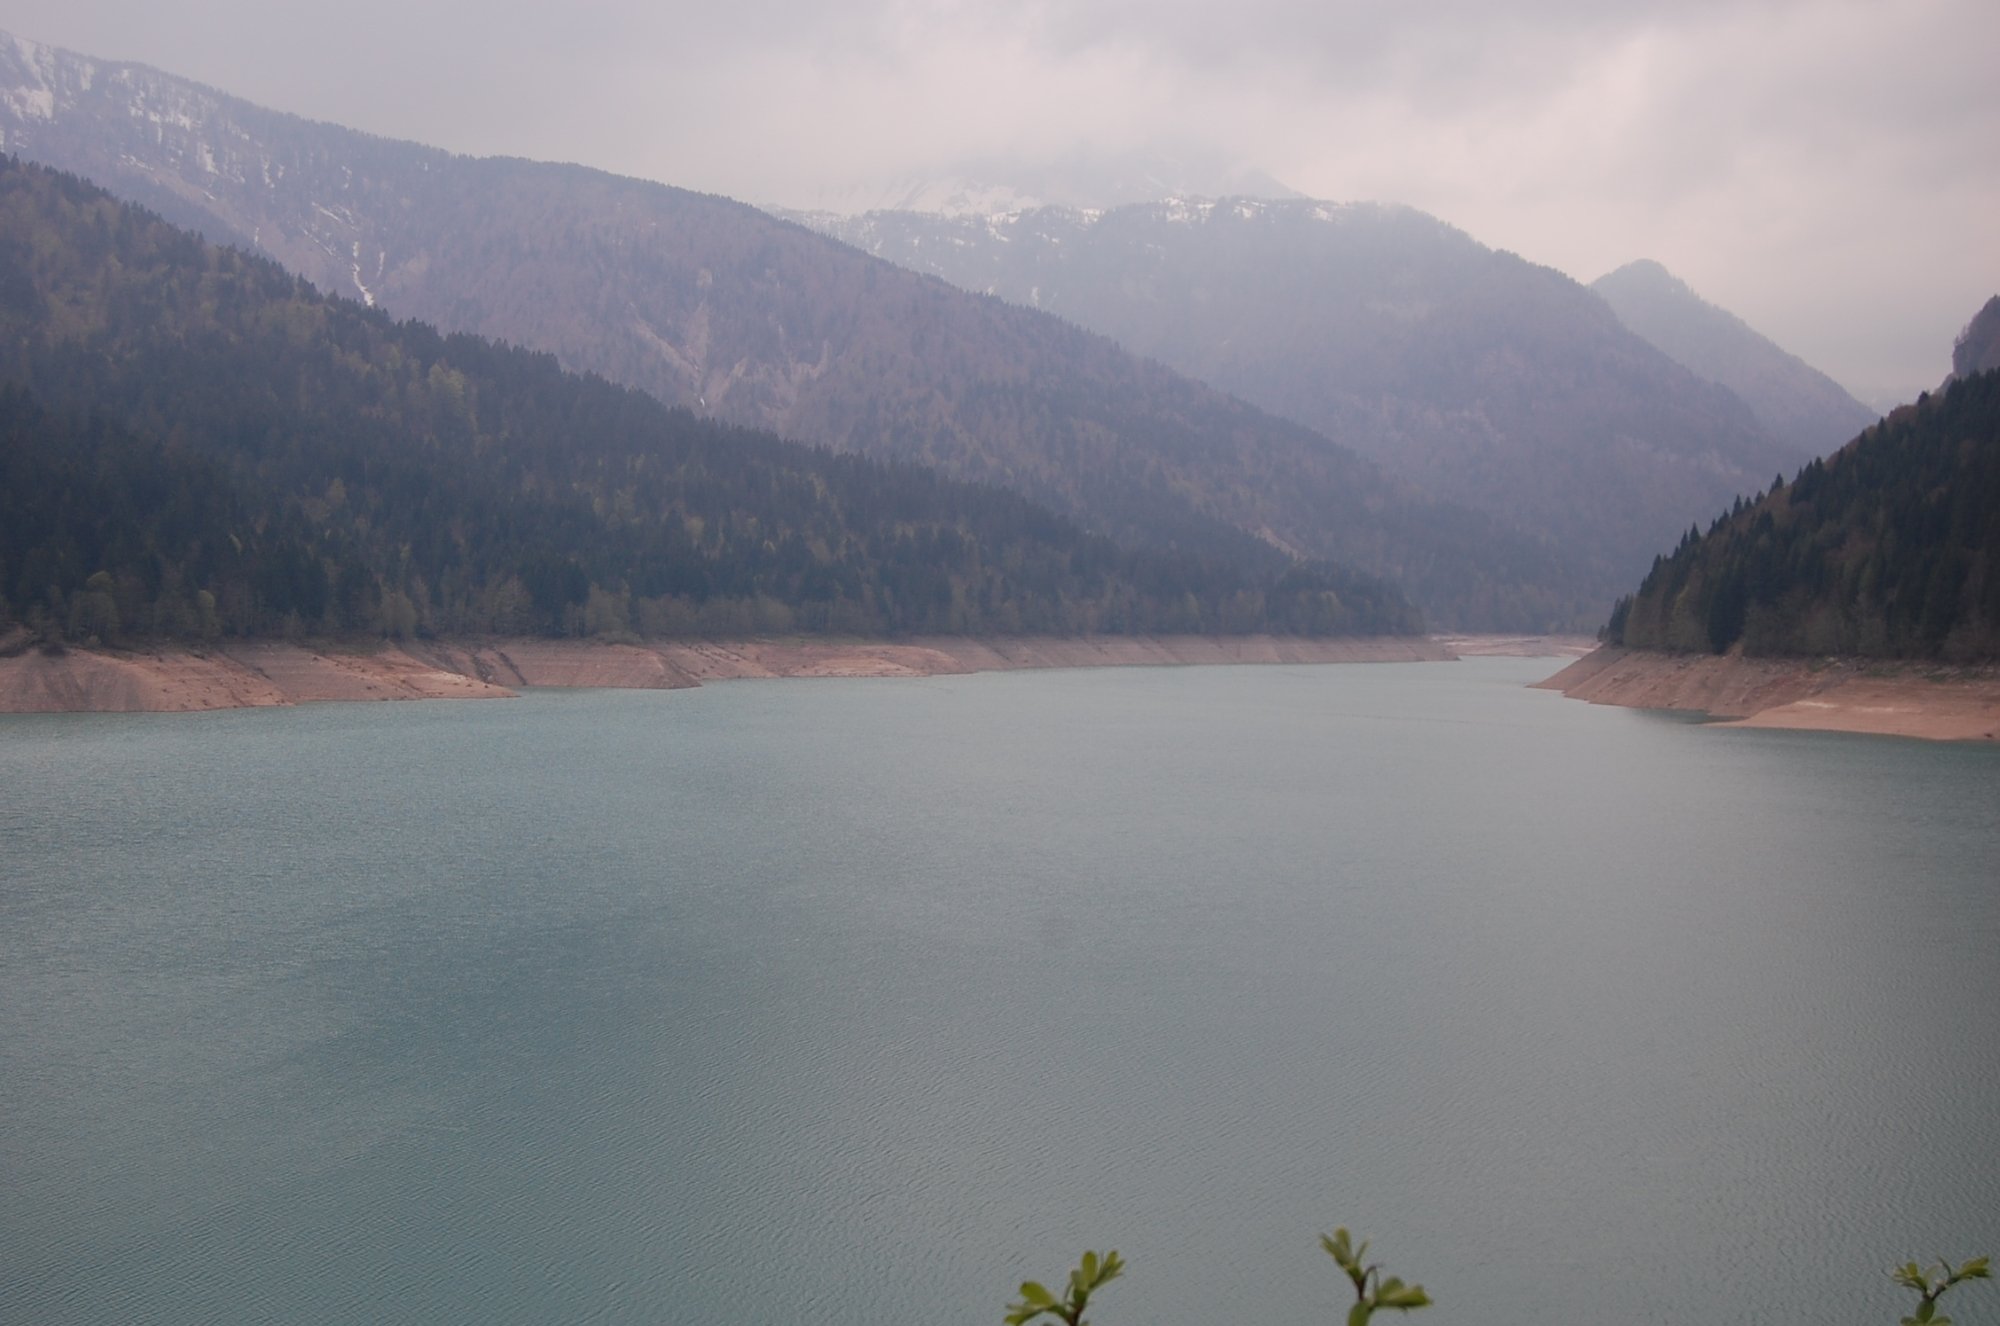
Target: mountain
x=985 y=185
x=715 y=306
x=1977 y=349
x=1799 y=405
x=1485 y=379
x=1888 y=548
x=195 y=442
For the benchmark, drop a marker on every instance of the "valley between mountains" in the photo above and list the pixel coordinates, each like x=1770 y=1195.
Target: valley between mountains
x=456 y=399
x=1483 y=432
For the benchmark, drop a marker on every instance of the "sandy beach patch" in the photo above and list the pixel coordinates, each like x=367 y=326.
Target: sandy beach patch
x=1924 y=700
x=1518 y=646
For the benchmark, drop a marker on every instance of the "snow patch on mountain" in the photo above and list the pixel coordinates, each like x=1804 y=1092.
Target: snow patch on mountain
x=35 y=103
x=1084 y=179
x=367 y=295
x=35 y=99
x=938 y=195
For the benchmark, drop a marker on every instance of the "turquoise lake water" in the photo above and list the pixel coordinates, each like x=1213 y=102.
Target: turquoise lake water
x=860 y=1001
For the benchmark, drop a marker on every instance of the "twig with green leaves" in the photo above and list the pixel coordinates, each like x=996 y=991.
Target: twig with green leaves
x=1930 y=1283
x=1373 y=1291
x=1037 y=1301
x=1376 y=1292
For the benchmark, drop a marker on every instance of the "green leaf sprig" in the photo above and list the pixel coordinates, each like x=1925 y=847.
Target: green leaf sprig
x=1373 y=1291
x=1091 y=1274
x=1930 y=1283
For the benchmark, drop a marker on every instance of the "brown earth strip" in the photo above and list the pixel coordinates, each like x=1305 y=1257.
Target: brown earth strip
x=244 y=675
x=1932 y=701
x=1518 y=646
x=275 y=673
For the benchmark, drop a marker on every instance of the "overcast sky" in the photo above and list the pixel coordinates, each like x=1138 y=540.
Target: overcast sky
x=1829 y=171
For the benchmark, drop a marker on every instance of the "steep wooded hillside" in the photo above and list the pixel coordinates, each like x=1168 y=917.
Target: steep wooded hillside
x=1888 y=548
x=1485 y=379
x=1799 y=405
x=194 y=442
x=731 y=313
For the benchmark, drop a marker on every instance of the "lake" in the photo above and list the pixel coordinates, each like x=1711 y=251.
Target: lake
x=860 y=1001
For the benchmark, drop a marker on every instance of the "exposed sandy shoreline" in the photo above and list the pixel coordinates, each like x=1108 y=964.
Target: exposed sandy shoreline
x=245 y=674
x=1517 y=646
x=1932 y=701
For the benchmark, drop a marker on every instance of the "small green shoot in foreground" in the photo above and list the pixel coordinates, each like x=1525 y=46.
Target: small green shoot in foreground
x=1037 y=1301
x=1930 y=1282
x=1374 y=1292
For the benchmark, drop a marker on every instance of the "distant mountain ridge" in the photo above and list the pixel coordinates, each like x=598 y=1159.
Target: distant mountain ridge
x=1089 y=179
x=1797 y=403
x=1486 y=379
x=716 y=306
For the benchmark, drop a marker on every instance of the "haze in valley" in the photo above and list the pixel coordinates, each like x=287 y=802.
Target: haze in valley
x=1822 y=170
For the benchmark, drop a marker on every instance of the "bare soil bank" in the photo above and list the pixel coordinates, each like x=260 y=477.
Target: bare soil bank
x=1517 y=646
x=243 y=674
x=1831 y=695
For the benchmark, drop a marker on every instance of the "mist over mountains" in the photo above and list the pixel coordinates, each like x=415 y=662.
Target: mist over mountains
x=1485 y=379
x=194 y=442
x=1360 y=383
x=1795 y=402
x=984 y=186
x=716 y=306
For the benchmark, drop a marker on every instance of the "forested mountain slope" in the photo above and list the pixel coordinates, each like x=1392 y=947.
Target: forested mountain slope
x=194 y=442
x=1797 y=404
x=720 y=308
x=1486 y=379
x=1888 y=548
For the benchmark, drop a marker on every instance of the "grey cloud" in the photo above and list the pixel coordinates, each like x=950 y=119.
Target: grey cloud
x=1768 y=151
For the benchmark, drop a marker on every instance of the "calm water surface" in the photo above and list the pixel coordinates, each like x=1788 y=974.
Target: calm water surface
x=857 y=1002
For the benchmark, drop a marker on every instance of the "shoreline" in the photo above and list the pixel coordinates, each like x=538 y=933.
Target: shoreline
x=253 y=674
x=1929 y=701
